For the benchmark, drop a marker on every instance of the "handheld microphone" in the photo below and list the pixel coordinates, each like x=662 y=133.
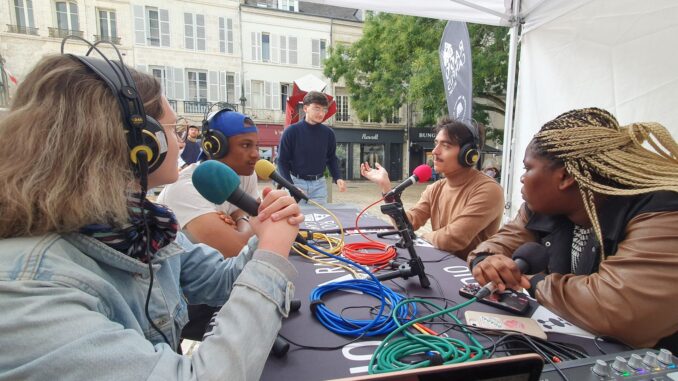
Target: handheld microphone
x=217 y=183
x=266 y=171
x=422 y=174
x=530 y=257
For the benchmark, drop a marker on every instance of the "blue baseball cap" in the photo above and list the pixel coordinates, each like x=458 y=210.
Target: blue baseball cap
x=229 y=123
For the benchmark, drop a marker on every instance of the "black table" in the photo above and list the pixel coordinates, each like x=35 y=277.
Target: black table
x=319 y=220
x=447 y=274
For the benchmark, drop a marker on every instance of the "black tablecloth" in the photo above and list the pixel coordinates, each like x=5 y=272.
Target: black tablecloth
x=447 y=274
x=319 y=220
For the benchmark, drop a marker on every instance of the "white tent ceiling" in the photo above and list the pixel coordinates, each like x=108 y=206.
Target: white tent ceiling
x=621 y=55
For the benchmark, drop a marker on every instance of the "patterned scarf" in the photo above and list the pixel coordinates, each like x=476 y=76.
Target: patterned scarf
x=130 y=239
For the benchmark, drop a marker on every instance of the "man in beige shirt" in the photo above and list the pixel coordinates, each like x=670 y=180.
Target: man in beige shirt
x=465 y=206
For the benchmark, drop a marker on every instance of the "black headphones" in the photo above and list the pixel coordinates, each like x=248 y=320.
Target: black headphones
x=146 y=138
x=214 y=142
x=468 y=152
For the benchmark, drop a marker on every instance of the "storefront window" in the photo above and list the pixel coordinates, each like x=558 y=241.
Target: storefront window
x=429 y=162
x=342 y=155
x=356 y=161
x=372 y=153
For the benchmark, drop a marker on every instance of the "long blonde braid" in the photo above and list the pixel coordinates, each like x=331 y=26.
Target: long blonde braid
x=608 y=159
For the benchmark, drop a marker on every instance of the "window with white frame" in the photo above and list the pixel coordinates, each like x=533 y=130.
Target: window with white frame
x=265 y=47
x=262 y=94
x=257 y=97
x=230 y=88
x=285 y=89
x=23 y=11
x=266 y=3
x=288 y=50
x=151 y=26
x=289 y=5
x=108 y=30
x=153 y=17
x=318 y=52
x=67 y=15
x=197 y=85
x=226 y=35
x=342 y=108
x=194 y=31
x=160 y=73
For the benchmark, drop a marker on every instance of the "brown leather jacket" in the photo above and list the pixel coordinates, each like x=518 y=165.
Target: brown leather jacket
x=633 y=294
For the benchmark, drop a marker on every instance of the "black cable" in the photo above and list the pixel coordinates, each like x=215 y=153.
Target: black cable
x=317 y=348
x=143 y=181
x=148 y=298
x=443 y=258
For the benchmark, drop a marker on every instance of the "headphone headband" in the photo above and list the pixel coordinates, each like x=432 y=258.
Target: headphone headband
x=214 y=142
x=146 y=139
x=469 y=151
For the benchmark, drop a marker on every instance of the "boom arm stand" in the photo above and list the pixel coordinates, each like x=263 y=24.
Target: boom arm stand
x=414 y=266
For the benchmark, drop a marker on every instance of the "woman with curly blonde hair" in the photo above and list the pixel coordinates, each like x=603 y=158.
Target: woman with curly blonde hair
x=603 y=200
x=95 y=278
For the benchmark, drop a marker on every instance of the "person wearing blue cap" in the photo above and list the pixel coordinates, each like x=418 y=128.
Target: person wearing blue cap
x=231 y=138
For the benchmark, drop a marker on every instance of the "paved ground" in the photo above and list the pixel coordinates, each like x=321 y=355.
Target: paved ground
x=363 y=193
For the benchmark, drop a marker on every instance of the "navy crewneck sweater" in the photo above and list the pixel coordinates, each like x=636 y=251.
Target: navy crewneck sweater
x=306 y=149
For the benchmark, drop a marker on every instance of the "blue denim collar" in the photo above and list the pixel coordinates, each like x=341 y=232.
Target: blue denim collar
x=101 y=252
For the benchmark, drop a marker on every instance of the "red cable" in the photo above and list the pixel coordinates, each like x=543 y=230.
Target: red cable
x=360 y=214
x=358 y=252
x=369 y=253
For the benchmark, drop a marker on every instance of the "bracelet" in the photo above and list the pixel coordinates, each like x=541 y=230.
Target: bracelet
x=246 y=218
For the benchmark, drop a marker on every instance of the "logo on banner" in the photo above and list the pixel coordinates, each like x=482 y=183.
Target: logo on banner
x=455 y=64
x=453 y=61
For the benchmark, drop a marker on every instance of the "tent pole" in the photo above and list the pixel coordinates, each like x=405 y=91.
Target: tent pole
x=508 y=149
x=482 y=9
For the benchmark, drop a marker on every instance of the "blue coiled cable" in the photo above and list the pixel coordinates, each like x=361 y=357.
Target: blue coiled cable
x=381 y=325
x=315 y=303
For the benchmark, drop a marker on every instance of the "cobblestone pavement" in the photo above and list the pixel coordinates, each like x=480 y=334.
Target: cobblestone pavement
x=362 y=193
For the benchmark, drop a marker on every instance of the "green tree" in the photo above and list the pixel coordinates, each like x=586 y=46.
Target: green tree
x=396 y=63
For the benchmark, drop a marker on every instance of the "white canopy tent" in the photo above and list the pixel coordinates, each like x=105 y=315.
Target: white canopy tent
x=621 y=55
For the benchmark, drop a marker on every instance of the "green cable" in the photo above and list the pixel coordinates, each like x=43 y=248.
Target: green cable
x=386 y=357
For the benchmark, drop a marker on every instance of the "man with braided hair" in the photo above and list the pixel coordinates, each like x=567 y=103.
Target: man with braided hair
x=606 y=210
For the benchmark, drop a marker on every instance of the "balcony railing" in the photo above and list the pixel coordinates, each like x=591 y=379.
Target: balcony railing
x=173 y=104
x=61 y=33
x=196 y=107
x=262 y=115
x=22 y=29
x=113 y=39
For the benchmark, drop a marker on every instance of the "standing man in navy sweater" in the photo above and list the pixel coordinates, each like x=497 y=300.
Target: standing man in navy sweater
x=307 y=147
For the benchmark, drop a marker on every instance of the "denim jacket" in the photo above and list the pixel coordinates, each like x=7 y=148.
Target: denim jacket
x=72 y=308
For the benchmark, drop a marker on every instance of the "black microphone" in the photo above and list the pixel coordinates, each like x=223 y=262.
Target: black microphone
x=531 y=258
x=217 y=183
x=266 y=171
x=422 y=174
